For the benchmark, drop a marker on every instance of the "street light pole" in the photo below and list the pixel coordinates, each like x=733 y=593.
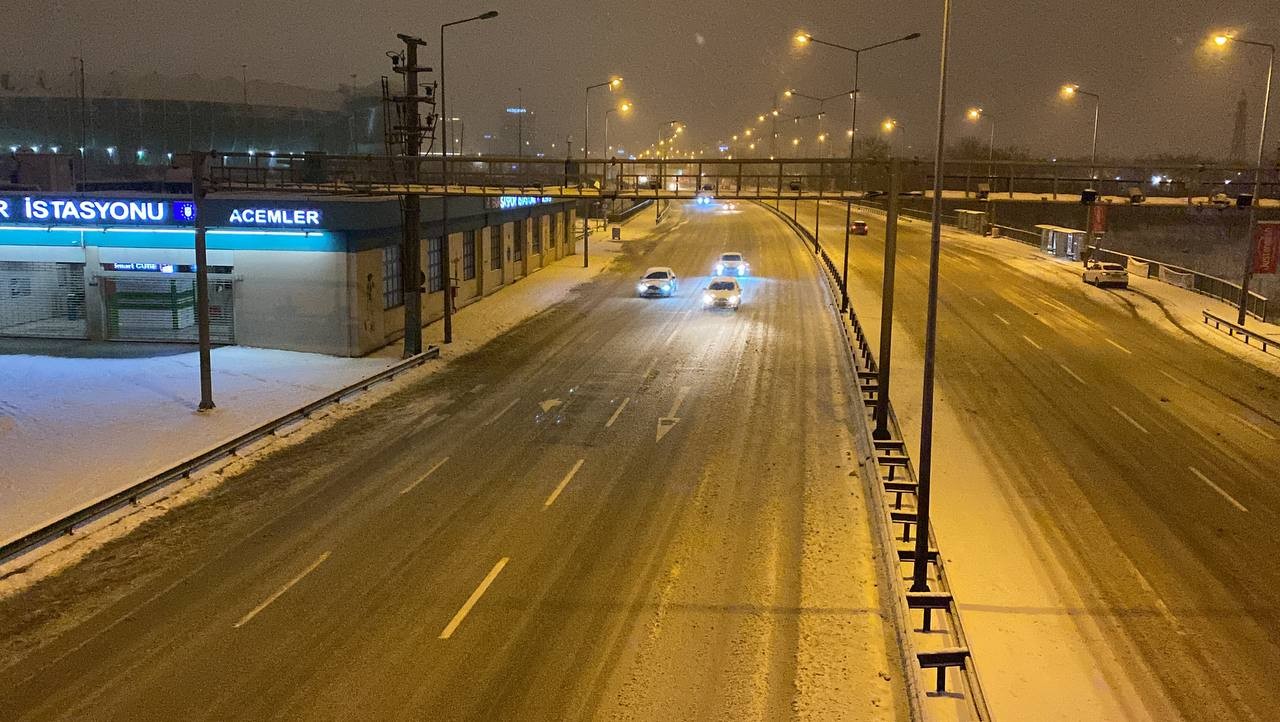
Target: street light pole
x=586 y=127
x=857 y=63
x=1071 y=90
x=445 y=274
x=1247 y=276
x=920 y=576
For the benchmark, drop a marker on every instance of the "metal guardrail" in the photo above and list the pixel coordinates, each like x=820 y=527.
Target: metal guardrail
x=183 y=470
x=1258 y=306
x=892 y=468
x=624 y=215
x=1268 y=344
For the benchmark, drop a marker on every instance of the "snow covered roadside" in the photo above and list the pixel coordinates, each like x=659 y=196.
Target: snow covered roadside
x=1038 y=658
x=73 y=430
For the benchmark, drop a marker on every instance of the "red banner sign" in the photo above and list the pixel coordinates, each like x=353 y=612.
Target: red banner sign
x=1266 y=246
x=1098 y=218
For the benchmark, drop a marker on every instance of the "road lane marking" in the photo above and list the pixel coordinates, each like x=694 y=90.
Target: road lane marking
x=563 y=483
x=1122 y=348
x=617 y=412
x=668 y=422
x=423 y=478
x=266 y=602
x=1004 y=320
x=504 y=410
x=475 y=597
x=1218 y=489
x=1073 y=374
x=1174 y=379
x=1129 y=418
x=1253 y=426
x=1033 y=343
x=978 y=301
x=649 y=369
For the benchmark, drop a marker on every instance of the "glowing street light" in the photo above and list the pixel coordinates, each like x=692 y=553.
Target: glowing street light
x=1221 y=40
x=1071 y=90
x=976 y=114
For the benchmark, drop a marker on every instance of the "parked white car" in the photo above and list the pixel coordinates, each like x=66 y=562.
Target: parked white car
x=658 y=281
x=1099 y=273
x=722 y=292
x=732 y=264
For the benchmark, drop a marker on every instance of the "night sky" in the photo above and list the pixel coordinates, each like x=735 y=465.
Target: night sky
x=716 y=64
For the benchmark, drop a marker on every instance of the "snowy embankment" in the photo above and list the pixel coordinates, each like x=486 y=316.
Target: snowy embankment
x=74 y=430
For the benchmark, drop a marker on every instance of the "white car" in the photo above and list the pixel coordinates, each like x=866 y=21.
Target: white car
x=1102 y=274
x=732 y=264
x=658 y=281
x=722 y=292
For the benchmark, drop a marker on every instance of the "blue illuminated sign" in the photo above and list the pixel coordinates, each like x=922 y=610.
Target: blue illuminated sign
x=505 y=202
x=275 y=217
x=54 y=210
x=517 y=110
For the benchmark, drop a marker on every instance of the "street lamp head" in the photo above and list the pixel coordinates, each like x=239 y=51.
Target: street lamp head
x=760 y=118
x=1221 y=39
x=625 y=107
x=489 y=15
x=803 y=38
x=775 y=111
x=1069 y=90
x=795 y=141
x=615 y=83
x=912 y=36
x=974 y=113
x=747 y=132
x=889 y=124
x=788 y=92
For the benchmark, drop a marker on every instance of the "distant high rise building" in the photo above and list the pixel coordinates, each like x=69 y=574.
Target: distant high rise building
x=1237 y=134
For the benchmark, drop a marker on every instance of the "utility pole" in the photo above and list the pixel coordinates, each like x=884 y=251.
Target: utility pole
x=199 y=162
x=411 y=241
x=84 y=117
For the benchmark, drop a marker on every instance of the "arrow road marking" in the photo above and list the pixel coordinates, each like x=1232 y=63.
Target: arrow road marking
x=665 y=423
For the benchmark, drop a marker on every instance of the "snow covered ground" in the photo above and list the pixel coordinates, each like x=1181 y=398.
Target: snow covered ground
x=76 y=426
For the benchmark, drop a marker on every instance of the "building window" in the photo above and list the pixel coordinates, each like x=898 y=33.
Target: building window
x=435 y=265
x=392 y=278
x=495 y=247
x=469 y=241
x=537 y=235
x=517 y=250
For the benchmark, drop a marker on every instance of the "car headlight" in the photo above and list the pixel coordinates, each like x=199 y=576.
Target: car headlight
x=640 y=287
x=719 y=268
x=742 y=270
x=733 y=300
x=707 y=298
x=666 y=286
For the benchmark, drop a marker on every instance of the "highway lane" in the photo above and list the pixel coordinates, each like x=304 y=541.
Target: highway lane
x=520 y=536
x=1147 y=456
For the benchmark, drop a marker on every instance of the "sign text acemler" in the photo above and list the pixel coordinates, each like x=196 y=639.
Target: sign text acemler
x=275 y=217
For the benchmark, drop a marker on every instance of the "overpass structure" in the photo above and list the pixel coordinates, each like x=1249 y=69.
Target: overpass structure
x=725 y=178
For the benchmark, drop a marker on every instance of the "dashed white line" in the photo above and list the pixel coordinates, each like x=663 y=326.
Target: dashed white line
x=423 y=478
x=475 y=597
x=1122 y=348
x=504 y=410
x=617 y=412
x=649 y=369
x=1218 y=489
x=563 y=483
x=1033 y=343
x=1253 y=426
x=1129 y=418
x=978 y=301
x=276 y=595
x=1173 y=378
x=1073 y=374
x=1004 y=320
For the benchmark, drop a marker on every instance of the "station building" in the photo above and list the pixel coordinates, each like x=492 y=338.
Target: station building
x=302 y=273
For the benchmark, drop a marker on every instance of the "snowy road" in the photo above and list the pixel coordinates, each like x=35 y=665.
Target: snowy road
x=1137 y=462
x=623 y=508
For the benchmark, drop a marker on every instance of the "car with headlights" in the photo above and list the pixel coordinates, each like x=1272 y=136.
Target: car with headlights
x=658 y=281
x=722 y=292
x=731 y=264
x=858 y=228
x=1099 y=273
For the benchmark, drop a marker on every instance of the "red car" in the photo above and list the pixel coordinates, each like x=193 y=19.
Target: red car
x=858 y=228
